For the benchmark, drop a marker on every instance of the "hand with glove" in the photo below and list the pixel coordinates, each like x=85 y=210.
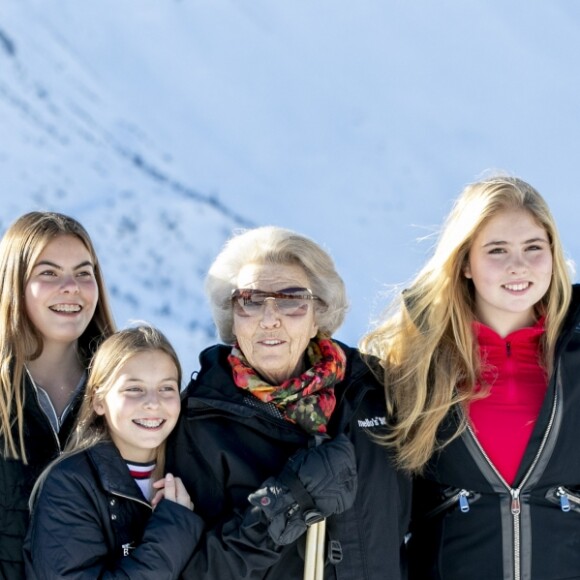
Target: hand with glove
x=314 y=484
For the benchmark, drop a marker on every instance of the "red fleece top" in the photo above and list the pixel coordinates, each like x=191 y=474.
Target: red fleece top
x=504 y=420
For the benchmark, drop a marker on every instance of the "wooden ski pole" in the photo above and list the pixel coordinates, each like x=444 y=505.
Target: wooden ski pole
x=315 y=541
x=314 y=556
x=320 y=550
x=310 y=554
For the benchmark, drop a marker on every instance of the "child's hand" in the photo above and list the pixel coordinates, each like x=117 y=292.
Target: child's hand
x=171 y=488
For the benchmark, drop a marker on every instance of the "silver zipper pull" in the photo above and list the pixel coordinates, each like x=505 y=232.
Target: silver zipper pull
x=463 y=501
x=564 y=501
x=515 y=501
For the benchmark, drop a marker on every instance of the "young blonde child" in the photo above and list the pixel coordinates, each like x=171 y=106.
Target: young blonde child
x=104 y=509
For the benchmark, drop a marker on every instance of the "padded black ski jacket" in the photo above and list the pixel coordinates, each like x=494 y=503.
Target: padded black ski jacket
x=16 y=479
x=92 y=521
x=468 y=523
x=224 y=449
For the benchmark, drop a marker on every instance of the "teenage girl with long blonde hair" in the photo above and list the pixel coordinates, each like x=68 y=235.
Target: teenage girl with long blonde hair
x=54 y=312
x=481 y=365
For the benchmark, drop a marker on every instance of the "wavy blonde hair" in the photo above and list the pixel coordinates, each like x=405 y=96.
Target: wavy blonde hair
x=20 y=341
x=428 y=356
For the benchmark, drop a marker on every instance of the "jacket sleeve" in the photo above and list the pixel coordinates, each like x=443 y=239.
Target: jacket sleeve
x=70 y=536
x=235 y=544
x=238 y=548
x=171 y=534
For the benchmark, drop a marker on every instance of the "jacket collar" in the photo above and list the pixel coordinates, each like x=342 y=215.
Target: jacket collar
x=215 y=377
x=213 y=390
x=112 y=471
x=572 y=322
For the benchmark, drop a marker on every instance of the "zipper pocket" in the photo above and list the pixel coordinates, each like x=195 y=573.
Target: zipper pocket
x=567 y=499
x=460 y=498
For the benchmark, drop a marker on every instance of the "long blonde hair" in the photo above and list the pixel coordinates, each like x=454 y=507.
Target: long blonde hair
x=20 y=341
x=428 y=356
x=91 y=428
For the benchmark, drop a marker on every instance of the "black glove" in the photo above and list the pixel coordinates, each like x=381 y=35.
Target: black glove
x=314 y=484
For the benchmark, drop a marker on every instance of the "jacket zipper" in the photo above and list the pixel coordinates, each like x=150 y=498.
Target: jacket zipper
x=54 y=433
x=515 y=492
x=460 y=497
x=566 y=498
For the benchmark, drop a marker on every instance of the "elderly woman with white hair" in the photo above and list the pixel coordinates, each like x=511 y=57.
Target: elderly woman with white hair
x=280 y=420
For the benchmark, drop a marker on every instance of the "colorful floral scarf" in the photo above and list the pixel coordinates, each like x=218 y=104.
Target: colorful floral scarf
x=307 y=400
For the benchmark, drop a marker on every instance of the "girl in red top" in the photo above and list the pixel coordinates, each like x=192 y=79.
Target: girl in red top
x=479 y=363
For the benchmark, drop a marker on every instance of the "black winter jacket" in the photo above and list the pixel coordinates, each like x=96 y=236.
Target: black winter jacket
x=224 y=449
x=468 y=523
x=92 y=521
x=16 y=479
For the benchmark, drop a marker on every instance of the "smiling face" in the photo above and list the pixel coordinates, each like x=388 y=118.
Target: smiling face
x=510 y=263
x=61 y=294
x=142 y=405
x=274 y=343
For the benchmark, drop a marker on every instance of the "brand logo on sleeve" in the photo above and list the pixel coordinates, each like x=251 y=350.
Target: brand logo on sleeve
x=371 y=422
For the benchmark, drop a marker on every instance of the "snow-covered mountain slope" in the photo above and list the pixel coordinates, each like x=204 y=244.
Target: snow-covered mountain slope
x=66 y=147
x=163 y=125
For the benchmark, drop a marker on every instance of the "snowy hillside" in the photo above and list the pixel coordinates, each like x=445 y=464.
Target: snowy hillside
x=163 y=125
x=65 y=147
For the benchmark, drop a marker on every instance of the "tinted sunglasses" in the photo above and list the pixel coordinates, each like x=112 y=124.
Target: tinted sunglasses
x=289 y=302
